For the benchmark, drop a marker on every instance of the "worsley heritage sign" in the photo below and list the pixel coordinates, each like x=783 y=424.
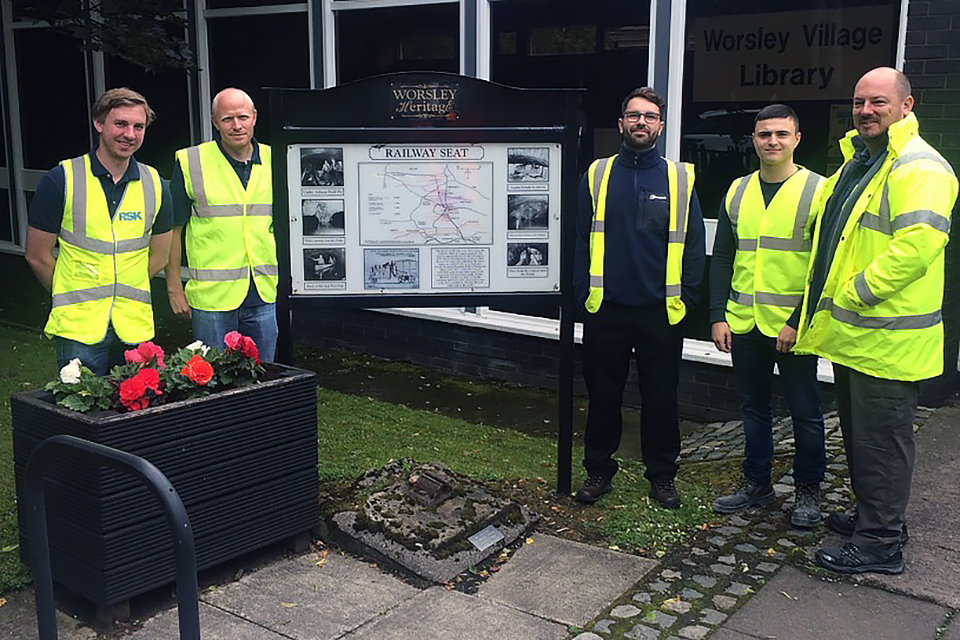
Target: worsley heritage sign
x=425 y=100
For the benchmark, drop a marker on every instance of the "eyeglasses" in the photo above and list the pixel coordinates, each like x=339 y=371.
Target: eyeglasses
x=633 y=117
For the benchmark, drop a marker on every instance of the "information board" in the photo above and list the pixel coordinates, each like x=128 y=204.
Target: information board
x=424 y=218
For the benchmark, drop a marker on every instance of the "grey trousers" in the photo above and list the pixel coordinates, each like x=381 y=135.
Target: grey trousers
x=876 y=418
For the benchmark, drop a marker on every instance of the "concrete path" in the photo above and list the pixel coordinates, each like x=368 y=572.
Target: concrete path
x=747 y=580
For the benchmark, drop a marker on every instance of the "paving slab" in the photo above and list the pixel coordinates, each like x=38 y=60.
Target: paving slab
x=18 y=619
x=304 y=600
x=215 y=624
x=439 y=614
x=563 y=580
x=933 y=553
x=798 y=606
x=953 y=630
x=727 y=634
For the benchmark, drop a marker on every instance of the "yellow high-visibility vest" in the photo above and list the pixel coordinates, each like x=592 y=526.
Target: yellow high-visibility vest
x=773 y=249
x=680 y=177
x=880 y=310
x=102 y=271
x=230 y=233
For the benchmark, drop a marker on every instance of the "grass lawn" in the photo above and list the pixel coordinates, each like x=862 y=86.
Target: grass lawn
x=357 y=433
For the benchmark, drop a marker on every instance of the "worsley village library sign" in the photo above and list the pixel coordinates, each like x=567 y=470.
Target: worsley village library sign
x=427 y=190
x=789 y=55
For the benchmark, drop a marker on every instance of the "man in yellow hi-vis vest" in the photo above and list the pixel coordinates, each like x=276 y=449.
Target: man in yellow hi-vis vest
x=223 y=195
x=638 y=262
x=872 y=306
x=111 y=216
x=759 y=262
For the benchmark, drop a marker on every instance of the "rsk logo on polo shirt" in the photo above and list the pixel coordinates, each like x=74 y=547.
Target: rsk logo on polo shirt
x=129 y=216
x=657 y=196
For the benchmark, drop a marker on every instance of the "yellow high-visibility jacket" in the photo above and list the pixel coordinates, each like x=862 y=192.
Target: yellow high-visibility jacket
x=102 y=271
x=773 y=249
x=880 y=310
x=230 y=234
x=680 y=177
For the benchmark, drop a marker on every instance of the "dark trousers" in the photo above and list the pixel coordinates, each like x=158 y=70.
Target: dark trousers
x=876 y=418
x=754 y=355
x=610 y=337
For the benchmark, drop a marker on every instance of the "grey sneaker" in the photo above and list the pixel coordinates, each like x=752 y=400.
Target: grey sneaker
x=806 y=511
x=748 y=494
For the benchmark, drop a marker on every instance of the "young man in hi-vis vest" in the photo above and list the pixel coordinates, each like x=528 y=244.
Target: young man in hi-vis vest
x=111 y=217
x=872 y=306
x=760 y=256
x=638 y=262
x=223 y=195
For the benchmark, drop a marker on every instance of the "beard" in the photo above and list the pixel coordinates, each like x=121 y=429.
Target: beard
x=640 y=145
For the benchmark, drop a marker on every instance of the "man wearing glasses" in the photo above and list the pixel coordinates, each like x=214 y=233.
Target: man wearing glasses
x=638 y=261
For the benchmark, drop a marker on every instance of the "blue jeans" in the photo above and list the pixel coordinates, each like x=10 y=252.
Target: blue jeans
x=99 y=357
x=257 y=322
x=754 y=355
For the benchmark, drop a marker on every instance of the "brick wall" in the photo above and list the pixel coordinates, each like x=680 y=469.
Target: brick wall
x=707 y=392
x=932 y=62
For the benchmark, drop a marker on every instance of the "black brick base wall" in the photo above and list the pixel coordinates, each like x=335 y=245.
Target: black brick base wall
x=932 y=62
x=707 y=392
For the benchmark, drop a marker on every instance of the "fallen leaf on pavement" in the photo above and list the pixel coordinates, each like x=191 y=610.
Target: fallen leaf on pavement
x=289 y=605
x=787 y=595
x=323 y=558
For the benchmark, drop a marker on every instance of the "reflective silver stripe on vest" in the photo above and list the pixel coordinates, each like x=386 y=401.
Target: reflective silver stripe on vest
x=218 y=275
x=863 y=290
x=673 y=290
x=680 y=234
x=596 y=281
x=913 y=156
x=881 y=222
x=259 y=210
x=785 y=244
x=597 y=178
x=196 y=181
x=266 y=270
x=598 y=225
x=928 y=217
x=741 y=298
x=734 y=212
x=149 y=196
x=78 y=237
x=747 y=244
x=922 y=321
x=102 y=292
x=777 y=299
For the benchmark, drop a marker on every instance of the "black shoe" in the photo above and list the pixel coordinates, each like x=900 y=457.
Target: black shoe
x=593 y=489
x=748 y=494
x=665 y=493
x=852 y=559
x=845 y=523
x=806 y=511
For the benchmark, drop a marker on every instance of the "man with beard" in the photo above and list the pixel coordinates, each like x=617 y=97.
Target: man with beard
x=638 y=261
x=872 y=306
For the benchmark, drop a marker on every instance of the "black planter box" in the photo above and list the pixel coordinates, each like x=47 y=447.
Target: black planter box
x=244 y=462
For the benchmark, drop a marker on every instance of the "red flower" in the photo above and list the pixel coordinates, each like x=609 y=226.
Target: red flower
x=249 y=349
x=197 y=370
x=144 y=353
x=133 y=391
x=233 y=340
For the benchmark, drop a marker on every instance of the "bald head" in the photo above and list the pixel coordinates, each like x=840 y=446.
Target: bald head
x=881 y=98
x=231 y=97
x=235 y=118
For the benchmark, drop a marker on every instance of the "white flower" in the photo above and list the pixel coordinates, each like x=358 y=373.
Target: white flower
x=70 y=374
x=198 y=346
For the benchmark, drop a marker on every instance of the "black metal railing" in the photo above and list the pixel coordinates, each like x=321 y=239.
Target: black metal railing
x=153 y=478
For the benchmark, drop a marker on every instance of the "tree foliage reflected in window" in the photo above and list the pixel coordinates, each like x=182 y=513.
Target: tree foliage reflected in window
x=571 y=40
x=147 y=33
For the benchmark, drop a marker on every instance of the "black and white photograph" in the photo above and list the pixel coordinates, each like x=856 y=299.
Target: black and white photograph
x=322 y=217
x=527 y=254
x=528 y=212
x=528 y=164
x=321 y=167
x=324 y=264
x=391 y=269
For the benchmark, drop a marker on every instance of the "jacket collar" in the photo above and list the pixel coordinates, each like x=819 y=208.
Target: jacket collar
x=898 y=135
x=639 y=159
